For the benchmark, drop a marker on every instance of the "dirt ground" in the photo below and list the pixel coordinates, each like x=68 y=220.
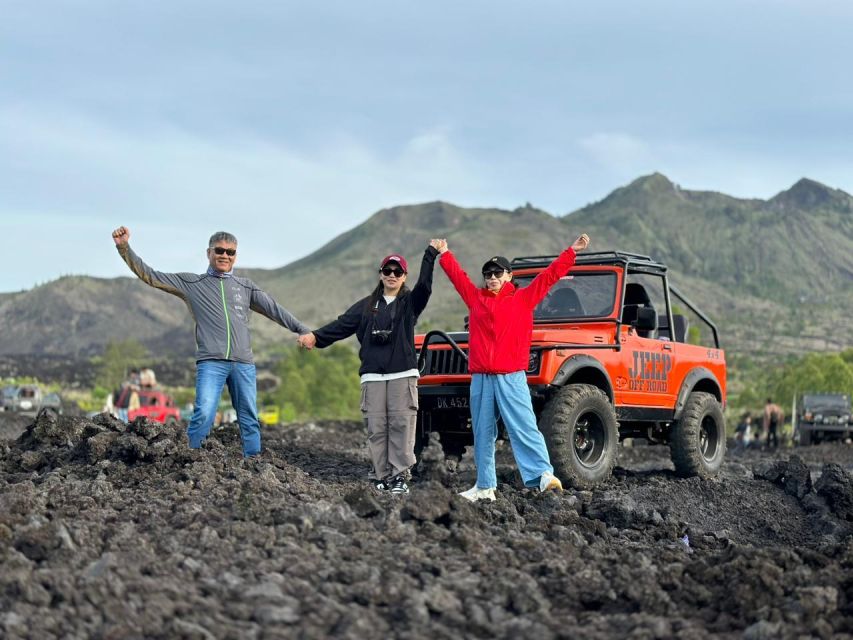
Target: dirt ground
x=115 y=531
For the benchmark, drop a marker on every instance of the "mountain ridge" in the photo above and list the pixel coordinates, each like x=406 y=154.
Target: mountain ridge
x=776 y=274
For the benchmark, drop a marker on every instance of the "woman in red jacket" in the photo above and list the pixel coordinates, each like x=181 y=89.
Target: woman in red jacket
x=500 y=325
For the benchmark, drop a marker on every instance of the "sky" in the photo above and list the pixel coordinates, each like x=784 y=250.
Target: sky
x=288 y=123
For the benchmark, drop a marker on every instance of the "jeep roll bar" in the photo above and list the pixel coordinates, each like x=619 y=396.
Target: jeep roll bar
x=695 y=310
x=593 y=257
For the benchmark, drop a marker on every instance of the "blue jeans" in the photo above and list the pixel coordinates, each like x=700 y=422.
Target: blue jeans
x=508 y=396
x=211 y=376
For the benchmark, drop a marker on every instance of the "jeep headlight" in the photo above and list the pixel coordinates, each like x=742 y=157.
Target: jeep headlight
x=844 y=419
x=818 y=417
x=533 y=361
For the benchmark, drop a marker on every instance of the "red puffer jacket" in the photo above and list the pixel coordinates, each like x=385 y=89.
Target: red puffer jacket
x=500 y=323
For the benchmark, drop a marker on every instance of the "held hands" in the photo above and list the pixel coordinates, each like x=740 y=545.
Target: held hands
x=121 y=236
x=438 y=245
x=307 y=341
x=581 y=243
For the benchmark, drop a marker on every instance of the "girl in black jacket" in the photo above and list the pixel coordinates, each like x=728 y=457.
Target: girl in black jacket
x=384 y=323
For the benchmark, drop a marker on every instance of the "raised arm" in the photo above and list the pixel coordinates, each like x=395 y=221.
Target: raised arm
x=533 y=293
x=174 y=283
x=467 y=290
x=263 y=303
x=423 y=288
x=344 y=326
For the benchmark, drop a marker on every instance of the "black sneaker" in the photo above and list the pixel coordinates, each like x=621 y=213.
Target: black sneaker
x=380 y=485
x=398 y=485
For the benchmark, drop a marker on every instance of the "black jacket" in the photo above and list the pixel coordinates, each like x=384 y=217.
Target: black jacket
x=398 y=354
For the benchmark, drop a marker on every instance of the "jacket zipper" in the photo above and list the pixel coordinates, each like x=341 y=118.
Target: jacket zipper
x=227 y=320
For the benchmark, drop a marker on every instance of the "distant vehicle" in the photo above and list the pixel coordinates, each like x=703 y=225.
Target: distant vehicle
x=52 y=401
x=187 y=411
x=28 y=399
x=269 y=415
x=149 y=403
x=823 y=416
x=7 y=396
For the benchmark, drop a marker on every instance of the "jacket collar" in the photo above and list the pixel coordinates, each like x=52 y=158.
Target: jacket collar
x=507 y=290
x=218 y=274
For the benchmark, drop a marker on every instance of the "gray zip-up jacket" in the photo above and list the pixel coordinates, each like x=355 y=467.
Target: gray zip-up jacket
x=219 y=306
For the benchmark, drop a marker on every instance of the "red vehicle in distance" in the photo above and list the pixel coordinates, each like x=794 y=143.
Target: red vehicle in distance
x=149 y=403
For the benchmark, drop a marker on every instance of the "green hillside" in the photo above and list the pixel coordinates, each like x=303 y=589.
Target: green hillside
x=776 y=275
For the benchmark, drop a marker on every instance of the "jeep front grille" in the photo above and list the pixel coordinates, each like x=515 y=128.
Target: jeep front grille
x=443 y=362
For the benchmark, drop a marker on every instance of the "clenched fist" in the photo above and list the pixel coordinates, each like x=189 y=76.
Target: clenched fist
x=581 y=243
x=439 y=244
x=121 y=236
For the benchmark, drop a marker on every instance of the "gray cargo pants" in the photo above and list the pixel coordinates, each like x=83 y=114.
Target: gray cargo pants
x=390 y=410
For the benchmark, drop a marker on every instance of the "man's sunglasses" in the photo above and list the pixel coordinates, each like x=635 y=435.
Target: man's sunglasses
x=220 y=250
x=493 y=273
x=387 y=271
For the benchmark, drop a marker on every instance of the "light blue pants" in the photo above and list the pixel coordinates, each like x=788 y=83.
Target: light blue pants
x=506 y=395
x=211 y=376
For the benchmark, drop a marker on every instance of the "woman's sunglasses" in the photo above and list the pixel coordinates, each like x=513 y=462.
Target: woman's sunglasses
x=220 y=250
x=387 y=271
x=493 y=273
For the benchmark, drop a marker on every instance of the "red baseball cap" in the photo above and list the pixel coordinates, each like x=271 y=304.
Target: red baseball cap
x=395 y=258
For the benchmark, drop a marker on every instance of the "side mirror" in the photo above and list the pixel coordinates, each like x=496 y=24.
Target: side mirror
x=647 y=319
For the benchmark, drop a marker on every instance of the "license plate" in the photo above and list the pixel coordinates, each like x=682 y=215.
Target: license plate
x=451 y=402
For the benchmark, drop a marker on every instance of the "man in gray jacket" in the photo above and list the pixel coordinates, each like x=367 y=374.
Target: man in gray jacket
x=220 y=304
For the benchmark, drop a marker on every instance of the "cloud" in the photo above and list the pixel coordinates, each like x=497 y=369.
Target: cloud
x=618 y=152
x=178 y=186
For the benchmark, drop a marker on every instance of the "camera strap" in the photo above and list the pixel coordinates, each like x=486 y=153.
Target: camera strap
x=391 y=310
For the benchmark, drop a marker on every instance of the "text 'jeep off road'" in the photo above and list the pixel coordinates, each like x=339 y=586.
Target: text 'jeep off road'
x=609 y=360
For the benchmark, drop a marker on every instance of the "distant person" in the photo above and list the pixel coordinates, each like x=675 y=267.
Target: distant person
x=147 y=379
x=743 y=433
x=220 y=304
x=384 y=323
x=772 y=421
x=501 y=323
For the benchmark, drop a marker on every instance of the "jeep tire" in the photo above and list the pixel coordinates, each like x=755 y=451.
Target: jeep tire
x=580 y=429
x=698 y=439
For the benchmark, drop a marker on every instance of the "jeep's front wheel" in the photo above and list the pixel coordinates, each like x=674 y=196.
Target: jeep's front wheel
x=698 y=440
x=580 y=429
x=805 y=438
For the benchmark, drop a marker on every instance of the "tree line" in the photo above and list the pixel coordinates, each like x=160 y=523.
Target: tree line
x=811 y=373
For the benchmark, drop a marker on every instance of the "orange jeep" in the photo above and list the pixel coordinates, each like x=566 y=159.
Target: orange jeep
x=609 y=360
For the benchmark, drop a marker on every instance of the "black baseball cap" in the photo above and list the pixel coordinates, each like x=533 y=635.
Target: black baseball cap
x=498 y=261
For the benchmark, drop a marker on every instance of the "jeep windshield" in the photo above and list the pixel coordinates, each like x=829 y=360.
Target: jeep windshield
x=827 y=402
x=577 y=295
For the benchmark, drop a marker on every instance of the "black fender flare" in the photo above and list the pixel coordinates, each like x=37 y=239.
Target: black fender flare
x=575 y=363
x=690 y=381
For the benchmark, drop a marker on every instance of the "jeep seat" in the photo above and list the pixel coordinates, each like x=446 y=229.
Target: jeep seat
x=636 y=297
x=563 y=303
x=681 y=323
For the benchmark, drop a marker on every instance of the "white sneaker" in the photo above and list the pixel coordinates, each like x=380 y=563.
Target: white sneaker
x=550 y=481
x=473 y=494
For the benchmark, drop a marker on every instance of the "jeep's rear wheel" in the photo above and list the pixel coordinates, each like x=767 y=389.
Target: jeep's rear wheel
x=580 y=429
x=698 y=440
